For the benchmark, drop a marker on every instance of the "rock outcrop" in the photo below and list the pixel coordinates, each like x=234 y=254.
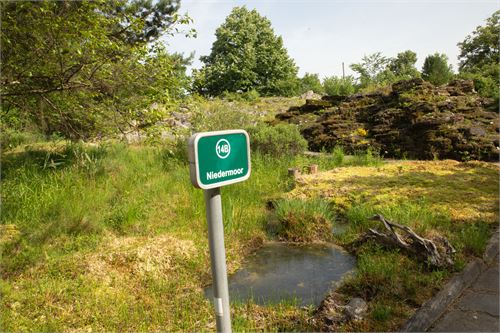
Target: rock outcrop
x=412 y=119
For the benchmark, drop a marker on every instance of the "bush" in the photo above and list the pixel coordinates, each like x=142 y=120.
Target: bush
x=280 y=140
x=366 y=158
x=338 y=155
x=310 y=82
x=10 y=138
x=485 y=85
x=302 y=221
x=248 y=96
x=219 y=115
x=336 y=86
x=175 y=153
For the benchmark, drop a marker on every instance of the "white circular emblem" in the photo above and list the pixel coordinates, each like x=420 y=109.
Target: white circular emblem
x=222 y=148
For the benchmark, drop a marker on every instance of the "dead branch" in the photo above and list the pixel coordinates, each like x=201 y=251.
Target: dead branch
x=437 y=253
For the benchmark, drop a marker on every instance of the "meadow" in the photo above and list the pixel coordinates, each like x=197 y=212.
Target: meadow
x=113 y=237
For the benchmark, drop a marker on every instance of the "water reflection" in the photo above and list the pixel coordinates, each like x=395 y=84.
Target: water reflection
x=279 y=272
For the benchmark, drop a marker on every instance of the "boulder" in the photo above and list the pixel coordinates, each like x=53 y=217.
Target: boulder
x=310 y=95
x=356 y=309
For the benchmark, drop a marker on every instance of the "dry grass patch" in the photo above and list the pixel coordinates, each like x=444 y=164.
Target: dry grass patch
x=156 y=256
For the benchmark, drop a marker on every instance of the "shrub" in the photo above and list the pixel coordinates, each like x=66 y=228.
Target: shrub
x=335 y=86
x=310 y=82
x=249 y=96
x=302 y=221
x=219 y=115
x=10 y=138
x=338 y=155
x=367 y=158
x=279 y=140
x=174 y=153
x=485 y=85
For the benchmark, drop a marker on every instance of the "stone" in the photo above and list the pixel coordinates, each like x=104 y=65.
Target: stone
x=492 y=248
x=412 y=119
x=459 y=321
x=356 y=309
x=478 y=131
x=310 y=95
x=133 y=137
x=488 y=281
x=480 y=302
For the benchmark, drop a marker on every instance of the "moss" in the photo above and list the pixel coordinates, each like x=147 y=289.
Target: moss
x=443 y=185
x=416 y=119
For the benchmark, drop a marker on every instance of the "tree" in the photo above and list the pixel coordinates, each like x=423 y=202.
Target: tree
x=403 y=66
x=310 y=82
x=481 y=47
x=247 y=55
x=479 y=55
x=436 y=69
x=372 y=70
x=72 y=67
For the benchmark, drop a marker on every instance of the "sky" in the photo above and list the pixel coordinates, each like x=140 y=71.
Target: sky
x=321 y=34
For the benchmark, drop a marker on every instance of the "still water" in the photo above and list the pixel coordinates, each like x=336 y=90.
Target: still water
x=278 y=272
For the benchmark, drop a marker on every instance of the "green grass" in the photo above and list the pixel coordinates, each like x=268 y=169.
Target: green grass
x=429 y=197
x=113 y=237
x=298 y=220
x=77 y=222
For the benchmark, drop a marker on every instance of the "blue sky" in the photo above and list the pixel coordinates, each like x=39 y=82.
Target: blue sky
x=320 y=35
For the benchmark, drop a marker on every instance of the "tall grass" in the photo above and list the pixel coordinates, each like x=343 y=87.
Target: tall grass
x=302 y=220
x=64 y=203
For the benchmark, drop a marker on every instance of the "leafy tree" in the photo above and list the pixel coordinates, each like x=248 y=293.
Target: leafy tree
x=337 y=86
x=75 y=67
x=310 y=82
x=479 y=55
x=436 y=69
x=481 y=47
x=403 y=66
x=371 y=69
x=247 y=55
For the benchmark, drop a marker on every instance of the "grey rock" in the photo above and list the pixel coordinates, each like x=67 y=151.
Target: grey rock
x=492 y=249
x=133 y=137
x=460 y=321
x=310 y=95
x=356 y=309
x=488 y=281
x=476 y=130
x=166 y=135
x=480 y=302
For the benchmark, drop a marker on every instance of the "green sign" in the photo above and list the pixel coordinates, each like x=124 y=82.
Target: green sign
x=219 y=158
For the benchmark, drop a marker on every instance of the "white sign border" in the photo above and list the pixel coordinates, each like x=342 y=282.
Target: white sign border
x=193 y=158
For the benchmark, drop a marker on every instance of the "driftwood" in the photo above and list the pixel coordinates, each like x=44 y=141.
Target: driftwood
x=437 y=253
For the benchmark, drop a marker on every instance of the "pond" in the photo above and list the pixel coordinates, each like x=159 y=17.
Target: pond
x=278 y=272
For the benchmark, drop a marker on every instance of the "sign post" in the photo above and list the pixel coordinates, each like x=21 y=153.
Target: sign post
x=217 y=159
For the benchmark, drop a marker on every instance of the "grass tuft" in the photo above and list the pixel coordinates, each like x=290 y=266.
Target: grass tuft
x=297 y=220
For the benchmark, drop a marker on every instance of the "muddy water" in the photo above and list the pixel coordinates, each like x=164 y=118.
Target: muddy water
x=278 y=272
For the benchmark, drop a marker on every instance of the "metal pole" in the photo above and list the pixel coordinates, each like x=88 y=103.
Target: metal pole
x=218 y=259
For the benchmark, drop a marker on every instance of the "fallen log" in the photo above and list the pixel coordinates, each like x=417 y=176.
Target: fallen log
x=437 y=253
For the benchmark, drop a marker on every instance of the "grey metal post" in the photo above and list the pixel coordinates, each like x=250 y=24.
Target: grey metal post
x=218 y=259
